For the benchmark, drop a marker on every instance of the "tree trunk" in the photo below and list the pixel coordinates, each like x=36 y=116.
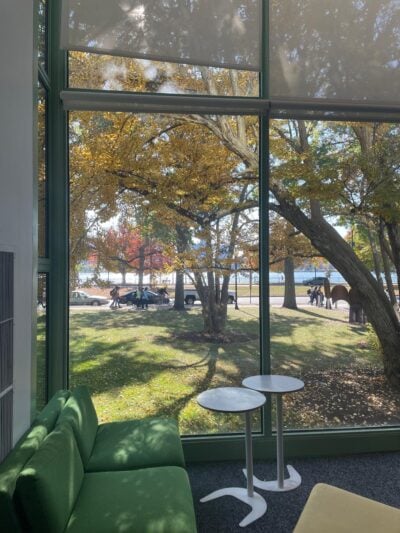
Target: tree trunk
x=214 y=320
x=373 y=298
x=179 y=302
x=394 y=239
x=213 y=306
x=123 y=276
x=182 y=243
x=289 y=300
x=386 y=264
x=141 y=266
x=375 y=256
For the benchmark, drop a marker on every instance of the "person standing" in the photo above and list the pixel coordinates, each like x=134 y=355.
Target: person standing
x=114 y=293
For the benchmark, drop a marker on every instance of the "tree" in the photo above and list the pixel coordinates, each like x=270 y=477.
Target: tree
x=125 y=249
x=205 y=187
x=307 y=191
x=320 y=173
x=353 y=187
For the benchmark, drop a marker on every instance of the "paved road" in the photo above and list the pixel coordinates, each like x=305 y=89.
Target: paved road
x=275 y=301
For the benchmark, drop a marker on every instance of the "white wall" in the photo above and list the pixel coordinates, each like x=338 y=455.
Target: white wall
x=16 y=184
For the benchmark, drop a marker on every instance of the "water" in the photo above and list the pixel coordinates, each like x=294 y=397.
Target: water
x=243 y=279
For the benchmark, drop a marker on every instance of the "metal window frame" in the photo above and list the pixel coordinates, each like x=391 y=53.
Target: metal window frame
x=203 y=448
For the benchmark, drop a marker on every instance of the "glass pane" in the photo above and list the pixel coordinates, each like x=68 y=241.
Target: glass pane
x=346 y=50
x=42 y=34
x=334 y=270
x=169 y=203
x=109 y=73
x=41 y=343
x=42 y=172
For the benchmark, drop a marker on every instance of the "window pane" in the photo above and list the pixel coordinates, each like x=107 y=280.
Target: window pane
x=109 y=73
x=220 y=34
x=41 y=343
x=42 y=172
x=42 y=34
x=334 y=285
x=163 y=202
x=346 y=50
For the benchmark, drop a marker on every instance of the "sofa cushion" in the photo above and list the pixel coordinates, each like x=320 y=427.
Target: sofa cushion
x=49 y=484
x=80 y=413
x=20 y=455
x=333 y=510
x=151 y=500
x=136 y=444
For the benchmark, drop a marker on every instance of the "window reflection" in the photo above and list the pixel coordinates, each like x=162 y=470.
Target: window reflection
x=42 y=172
x=41 y=343
x=42 y=34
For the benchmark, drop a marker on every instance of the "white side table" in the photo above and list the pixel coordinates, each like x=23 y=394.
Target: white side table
x=278 y=385
x=238 y=400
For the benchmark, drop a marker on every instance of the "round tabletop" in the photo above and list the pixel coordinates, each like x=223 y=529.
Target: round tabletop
x=231 y=399
x=273 y=383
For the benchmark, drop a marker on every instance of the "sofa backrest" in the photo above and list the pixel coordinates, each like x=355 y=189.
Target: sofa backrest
x=80 y=414
x=48 y=486
x=20 y=455
x=48 y=416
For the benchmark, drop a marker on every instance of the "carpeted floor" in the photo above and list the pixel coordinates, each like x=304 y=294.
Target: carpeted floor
x=376 y=476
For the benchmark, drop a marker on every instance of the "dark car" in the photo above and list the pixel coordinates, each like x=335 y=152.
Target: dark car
x=130 y=298
x=319 y=280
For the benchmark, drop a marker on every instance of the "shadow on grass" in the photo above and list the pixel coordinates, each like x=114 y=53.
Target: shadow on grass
x=105 y=366
x=120 y=371
x=175 y=407
x=323 y=317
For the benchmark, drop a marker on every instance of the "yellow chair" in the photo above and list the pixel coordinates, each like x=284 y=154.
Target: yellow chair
x=333 y=510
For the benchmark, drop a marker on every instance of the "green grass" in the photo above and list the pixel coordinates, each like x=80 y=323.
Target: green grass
x=137 y=365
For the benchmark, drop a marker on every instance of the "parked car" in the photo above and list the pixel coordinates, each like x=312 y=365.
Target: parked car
x=191 y=295
x=82 y=298
x=154 y=298
x=319 y=280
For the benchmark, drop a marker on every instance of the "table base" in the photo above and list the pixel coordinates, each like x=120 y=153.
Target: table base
x=291 y=483
x=257 y=503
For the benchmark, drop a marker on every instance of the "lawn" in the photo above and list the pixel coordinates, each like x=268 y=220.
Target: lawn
x=145 y=363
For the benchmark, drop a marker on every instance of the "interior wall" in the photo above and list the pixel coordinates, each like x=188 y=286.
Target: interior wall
x=16 y=185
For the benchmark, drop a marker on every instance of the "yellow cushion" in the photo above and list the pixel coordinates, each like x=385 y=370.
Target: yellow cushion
x=333 y=510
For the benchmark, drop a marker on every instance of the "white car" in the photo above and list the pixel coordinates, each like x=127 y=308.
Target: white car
x=82 y=298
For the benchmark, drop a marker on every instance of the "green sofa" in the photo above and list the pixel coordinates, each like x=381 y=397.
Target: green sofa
x=72 y=474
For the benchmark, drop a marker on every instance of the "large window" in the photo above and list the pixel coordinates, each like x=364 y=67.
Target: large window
x=159 y=201
x=166 y=192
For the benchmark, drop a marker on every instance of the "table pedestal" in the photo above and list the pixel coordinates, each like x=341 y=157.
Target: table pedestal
x=280 y=484
x=257 y=503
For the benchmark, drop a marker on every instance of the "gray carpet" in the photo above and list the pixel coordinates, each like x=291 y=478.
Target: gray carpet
x=375 y=476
